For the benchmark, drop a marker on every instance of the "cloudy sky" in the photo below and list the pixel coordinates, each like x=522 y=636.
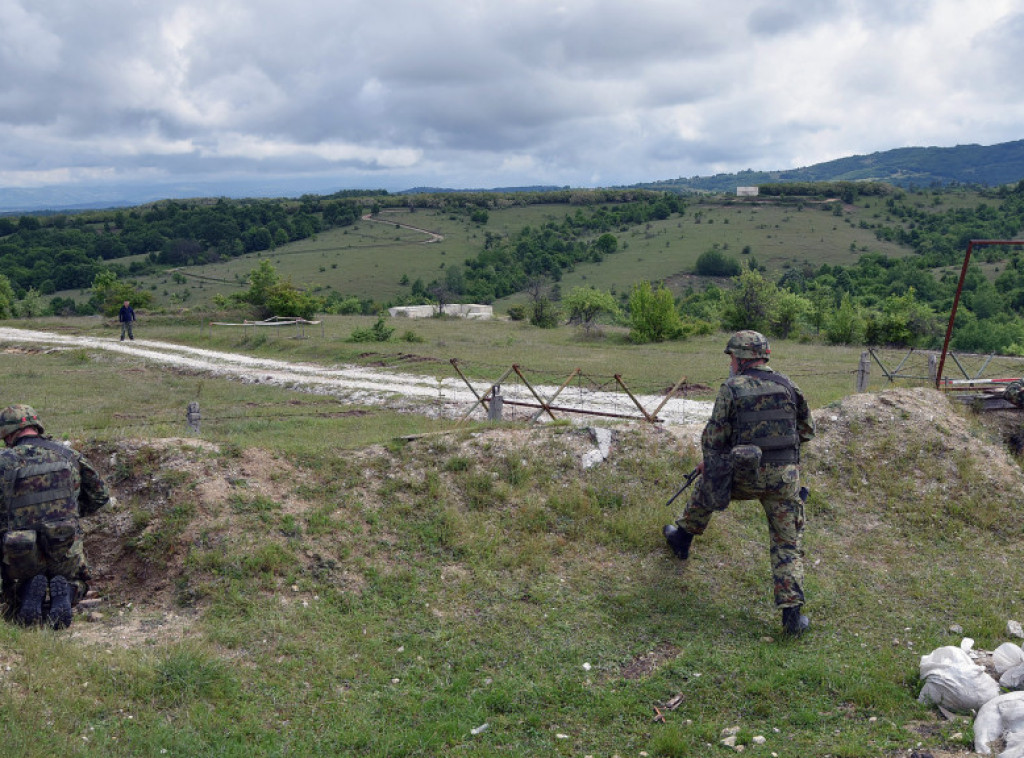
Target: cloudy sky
x=319 y=95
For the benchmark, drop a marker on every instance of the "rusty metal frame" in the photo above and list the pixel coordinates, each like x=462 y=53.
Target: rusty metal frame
x=547 y=405
x=956 y=301
x=479 y=400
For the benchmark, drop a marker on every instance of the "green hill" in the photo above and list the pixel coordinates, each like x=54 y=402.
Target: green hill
x=991 y=166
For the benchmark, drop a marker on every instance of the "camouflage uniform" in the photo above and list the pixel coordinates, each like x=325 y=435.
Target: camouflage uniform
x=759 y=411
x=1014 y=393
x=46 y=488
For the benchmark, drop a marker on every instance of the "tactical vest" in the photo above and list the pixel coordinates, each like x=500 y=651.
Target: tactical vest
x=766 y=417
x=39 y=493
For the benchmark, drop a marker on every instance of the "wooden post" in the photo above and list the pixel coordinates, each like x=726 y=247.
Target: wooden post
x=933 y=370
x=863 y=372
x=192 y=415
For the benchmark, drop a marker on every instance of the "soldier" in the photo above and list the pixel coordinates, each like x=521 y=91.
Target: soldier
x=46 y=488
x=751 y=448
x=1014 y=393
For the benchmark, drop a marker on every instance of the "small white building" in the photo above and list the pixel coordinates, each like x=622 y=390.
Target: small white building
x=746 y=192
x=462 y=310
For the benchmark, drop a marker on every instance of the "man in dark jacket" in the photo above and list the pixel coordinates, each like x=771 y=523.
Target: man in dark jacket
x=751 y=447
x=126 y=316
x=46 y=488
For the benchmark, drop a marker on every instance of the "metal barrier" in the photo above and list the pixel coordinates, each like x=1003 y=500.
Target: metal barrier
x=590 y=405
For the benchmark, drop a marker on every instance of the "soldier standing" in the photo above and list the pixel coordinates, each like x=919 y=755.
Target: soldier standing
x=46 y=488
x=751 y=448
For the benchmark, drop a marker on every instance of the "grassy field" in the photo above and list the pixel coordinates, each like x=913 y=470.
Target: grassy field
x=301 y=579
x=485 y=349
x=370 y=259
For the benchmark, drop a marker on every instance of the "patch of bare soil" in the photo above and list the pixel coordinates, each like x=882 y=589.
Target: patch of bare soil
x=133 y=589
x=649 y=662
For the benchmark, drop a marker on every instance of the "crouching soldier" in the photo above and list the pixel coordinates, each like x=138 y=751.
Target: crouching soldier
x=46 y=487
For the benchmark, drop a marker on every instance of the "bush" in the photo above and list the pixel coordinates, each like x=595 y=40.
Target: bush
x=652 y=314
x=716 y=263
x=379 y=332
x=544 y=314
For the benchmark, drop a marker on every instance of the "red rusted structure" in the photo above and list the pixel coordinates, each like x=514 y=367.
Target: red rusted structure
x=956 y=299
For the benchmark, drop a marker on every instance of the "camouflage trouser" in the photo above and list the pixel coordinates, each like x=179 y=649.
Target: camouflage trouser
x=54 y=549
x=778 y=489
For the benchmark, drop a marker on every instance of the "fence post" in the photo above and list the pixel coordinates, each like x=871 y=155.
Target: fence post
x=933 y=369
x=192 y=415
x=863 y=372
x=494 y=408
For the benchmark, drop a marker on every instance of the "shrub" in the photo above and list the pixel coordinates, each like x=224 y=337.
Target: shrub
x=716 y=263
x=379 y=332
x=652 y=314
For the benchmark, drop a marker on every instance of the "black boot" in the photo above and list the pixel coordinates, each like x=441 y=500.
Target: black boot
x=30 y=607
x=60 y=603
x=679 y=540
x=794 y=622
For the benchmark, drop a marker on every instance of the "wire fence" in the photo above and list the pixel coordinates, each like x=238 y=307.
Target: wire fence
x=526 y=394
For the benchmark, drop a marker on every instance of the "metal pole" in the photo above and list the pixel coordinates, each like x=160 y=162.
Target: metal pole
x=534 y=393
x=479 y=400
x=636 y=402
x=881 y=365
x=957 y=362
x=668 y=397
x=565 y=384
x=956 y=299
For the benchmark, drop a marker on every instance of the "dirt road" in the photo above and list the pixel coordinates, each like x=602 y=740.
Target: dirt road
x=447 y=397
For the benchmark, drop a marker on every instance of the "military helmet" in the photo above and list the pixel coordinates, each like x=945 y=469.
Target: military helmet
x=15 y=417
x=748 y=345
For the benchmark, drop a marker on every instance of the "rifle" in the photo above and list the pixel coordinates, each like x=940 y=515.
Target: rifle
x=689 y=480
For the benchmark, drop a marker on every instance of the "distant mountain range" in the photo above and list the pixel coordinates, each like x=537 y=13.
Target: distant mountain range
x=991 y=166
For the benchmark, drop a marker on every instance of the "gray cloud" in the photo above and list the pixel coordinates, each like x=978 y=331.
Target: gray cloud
x=476 y=93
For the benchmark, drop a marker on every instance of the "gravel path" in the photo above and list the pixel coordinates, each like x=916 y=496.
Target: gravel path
x=447 y=396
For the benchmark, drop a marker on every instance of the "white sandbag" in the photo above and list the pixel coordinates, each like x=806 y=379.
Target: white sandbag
x=1006 y=656
x=954 y=681
x=1001 y=718
x=1013 y=678
x=941 y=657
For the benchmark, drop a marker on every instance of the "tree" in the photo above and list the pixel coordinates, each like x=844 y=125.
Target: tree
x=652 y=314
x=584 y=305
x=845 y=326
x=31 y=305
x=789 y=309
x=904 y=322
x=543 y=313
x=6 y=297
x=109 y=293
x=606 y=244
x=752 y=304
x=271 y=295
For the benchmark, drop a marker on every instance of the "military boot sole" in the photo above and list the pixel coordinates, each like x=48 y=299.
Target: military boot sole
x=59 y=616
x=30 y=609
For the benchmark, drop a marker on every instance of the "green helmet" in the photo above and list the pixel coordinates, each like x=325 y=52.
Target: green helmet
x=15 y=417
x=748 y=345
